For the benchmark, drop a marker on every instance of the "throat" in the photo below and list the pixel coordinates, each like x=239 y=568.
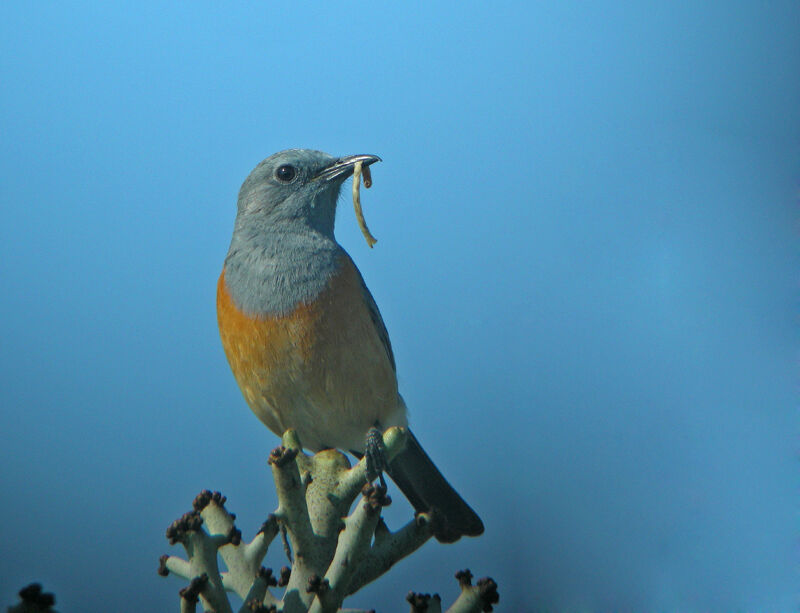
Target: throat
x=274 y=277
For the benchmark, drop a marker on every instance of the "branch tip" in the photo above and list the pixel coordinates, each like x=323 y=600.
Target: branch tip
x=464 y=578
x=317 y=585
x=258 y=607
x=188 y=522
x=162 y=565
x=204 y=498
x=290 y=439
x=280 y=456
x=267 y=576
x=32 y=594
x=394 y=440
x=235 y=536
x=270 y=524
x=420 y=602
x=487 y=590
x=286 y=573
x=192 y=593
x=376 y=497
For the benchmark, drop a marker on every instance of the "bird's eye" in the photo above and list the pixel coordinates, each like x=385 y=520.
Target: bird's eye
x=286 y=173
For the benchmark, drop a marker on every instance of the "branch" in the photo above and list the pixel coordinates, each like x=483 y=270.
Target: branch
x=34 y=600
x=333 y=557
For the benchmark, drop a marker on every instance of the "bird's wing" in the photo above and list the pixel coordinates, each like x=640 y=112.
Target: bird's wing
x=377 y=321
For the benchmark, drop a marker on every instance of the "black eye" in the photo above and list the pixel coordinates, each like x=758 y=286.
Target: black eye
x=286 y=173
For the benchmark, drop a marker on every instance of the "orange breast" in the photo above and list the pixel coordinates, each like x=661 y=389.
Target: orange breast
x=322 y=369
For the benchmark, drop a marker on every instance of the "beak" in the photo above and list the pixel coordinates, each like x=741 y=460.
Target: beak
x=343 y=167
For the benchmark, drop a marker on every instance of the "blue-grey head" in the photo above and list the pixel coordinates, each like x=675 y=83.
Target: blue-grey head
x=283 y=249
x=297 y=187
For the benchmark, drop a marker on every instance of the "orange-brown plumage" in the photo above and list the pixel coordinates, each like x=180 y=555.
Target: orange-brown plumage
x=322 y=369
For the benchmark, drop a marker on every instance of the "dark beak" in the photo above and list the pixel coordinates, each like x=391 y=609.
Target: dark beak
x=343 y=167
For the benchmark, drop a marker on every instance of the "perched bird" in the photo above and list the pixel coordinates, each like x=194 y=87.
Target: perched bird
x=303 y=335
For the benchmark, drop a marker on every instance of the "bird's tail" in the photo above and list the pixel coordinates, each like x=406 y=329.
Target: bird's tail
x=427 y=490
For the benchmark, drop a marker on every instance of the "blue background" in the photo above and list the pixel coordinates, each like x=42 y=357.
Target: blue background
x=587 y=261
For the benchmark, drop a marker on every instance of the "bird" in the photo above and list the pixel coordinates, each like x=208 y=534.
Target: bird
x=303 y=335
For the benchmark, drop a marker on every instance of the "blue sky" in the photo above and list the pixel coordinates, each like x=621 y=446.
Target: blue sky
x=587 y=263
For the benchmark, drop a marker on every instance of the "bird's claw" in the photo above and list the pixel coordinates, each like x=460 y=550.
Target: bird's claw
x=375 y=454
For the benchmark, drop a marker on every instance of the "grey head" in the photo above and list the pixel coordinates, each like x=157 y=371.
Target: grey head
x=283 y=250
x=296 y=189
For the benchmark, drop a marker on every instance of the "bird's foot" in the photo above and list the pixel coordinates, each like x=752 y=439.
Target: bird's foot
x=376 y=456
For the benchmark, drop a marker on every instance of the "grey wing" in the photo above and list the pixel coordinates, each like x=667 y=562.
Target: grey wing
x=377 y=320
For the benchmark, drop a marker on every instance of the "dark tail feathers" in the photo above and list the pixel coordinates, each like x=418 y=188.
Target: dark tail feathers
x=427 y=490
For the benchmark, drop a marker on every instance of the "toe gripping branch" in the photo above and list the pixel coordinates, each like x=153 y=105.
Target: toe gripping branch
x=375 y=456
